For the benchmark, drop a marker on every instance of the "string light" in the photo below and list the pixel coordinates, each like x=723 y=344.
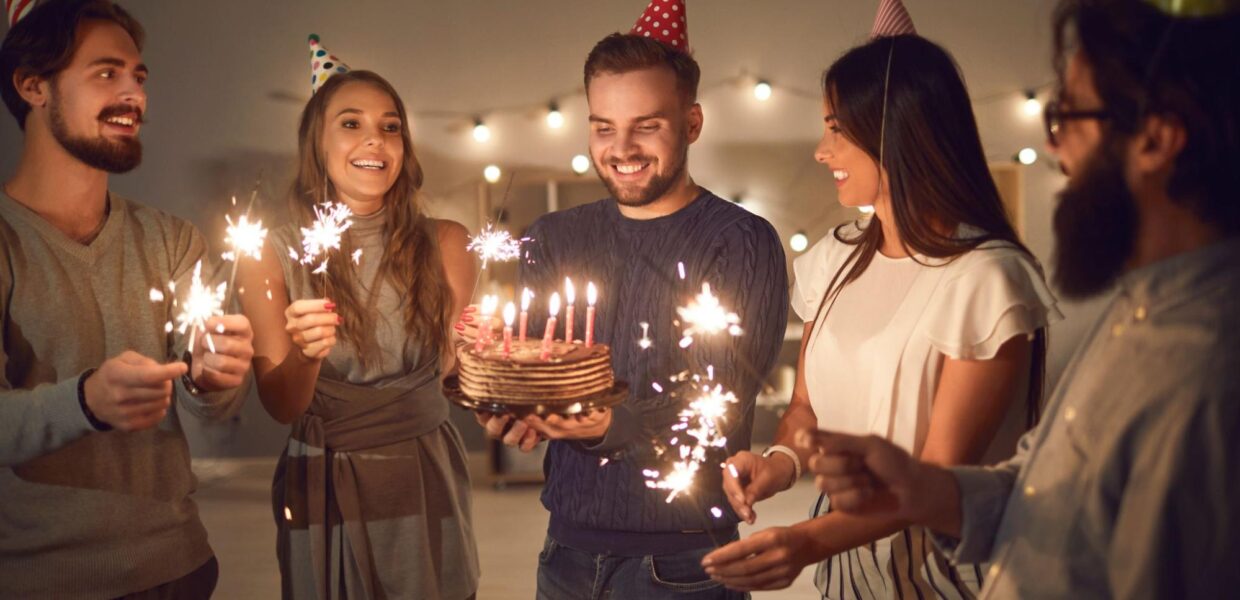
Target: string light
x=581 y=164
x=1032 y=106
x=555 y=118
x=492 y=173
x=762 y=90
x=1027 y=156
x=799 y=241
x=482 y=133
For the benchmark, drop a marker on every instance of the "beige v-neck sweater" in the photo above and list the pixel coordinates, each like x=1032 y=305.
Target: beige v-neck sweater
x=85 y=514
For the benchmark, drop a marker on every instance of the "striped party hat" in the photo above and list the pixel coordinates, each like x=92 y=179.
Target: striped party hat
x=892 y=19
x=323 y=64
x=16 y=9
x=664 y=21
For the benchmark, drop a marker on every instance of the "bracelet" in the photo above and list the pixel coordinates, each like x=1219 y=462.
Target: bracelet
x=790 y=453
x=90 y=416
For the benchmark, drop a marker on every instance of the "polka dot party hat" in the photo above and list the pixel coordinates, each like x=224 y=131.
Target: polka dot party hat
x=323 y=64
x=892 y=19
x=664 y=21
x=16 y=9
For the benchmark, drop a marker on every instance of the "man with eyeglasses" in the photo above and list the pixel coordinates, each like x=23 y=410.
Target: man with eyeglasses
x=1129 y=486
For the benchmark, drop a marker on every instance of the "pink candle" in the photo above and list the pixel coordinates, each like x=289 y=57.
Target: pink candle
x=549 y=334
x=510 y=312
x=484 y=326
x=591 y=298
x=570 y=294
x=525 y=310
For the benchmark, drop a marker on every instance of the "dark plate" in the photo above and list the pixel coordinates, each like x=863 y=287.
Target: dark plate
x=612 y=397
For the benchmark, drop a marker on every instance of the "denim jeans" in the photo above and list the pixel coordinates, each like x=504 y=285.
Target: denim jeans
x=569 y=574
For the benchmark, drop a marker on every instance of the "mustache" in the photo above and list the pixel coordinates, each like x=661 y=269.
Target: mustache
x=117 y=110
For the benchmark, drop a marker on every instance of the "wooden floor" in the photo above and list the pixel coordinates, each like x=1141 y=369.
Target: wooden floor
x=235 y=500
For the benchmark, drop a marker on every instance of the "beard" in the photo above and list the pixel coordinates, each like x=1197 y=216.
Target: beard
x=1095 y=226
x=655 y=189
x=113 y=156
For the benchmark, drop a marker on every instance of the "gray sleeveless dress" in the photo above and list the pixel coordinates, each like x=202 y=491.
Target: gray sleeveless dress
x=371 y=495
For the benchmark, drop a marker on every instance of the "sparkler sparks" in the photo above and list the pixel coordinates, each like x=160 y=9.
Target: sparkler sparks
x=644 y=343
x=495 y=245
x=201 y=303
x=332 y=219
x=704 y=315
x=245 y=238
x=701 y=422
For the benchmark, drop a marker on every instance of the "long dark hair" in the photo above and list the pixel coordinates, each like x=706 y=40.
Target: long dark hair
x=932 y=155
x=411 y=258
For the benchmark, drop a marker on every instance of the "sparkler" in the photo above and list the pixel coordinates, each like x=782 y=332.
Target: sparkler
x=331 y=220
x=698 y=431
x=704 y=315
x=200 y=304
x=245 y=238
x=495 y=245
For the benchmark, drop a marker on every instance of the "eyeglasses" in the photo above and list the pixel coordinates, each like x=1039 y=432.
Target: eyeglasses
x=1054 y=117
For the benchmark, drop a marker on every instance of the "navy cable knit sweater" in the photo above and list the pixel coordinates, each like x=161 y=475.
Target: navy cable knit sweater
x=607 y=508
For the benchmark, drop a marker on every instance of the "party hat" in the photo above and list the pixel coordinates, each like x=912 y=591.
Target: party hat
x=16 y=9
x=892 y=19
x=323 y=64
x=1196 y=8
x=664 y=21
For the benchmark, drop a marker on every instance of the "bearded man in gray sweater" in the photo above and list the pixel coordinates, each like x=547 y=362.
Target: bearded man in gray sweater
x=94 y=468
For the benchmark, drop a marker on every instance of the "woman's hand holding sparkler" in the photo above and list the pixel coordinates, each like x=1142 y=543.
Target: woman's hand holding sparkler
x=221 y=356
x=131 y=392
x=768 y=560
x=749 y=478
x=312 y=326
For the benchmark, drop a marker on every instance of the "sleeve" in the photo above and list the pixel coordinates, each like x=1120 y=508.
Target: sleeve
x=748 y=273
x=188 y=249
x=35 y=422
x=1177 y=531
x=998 y=294
x=984 y=493
x=811 y=274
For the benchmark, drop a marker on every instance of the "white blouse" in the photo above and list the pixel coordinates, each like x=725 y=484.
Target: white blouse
x=872 y=366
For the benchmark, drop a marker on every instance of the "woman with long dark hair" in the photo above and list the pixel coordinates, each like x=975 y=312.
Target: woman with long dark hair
x=924 y=324
x=371 y=495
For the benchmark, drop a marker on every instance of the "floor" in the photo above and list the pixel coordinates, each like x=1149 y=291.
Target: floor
x=234 y=499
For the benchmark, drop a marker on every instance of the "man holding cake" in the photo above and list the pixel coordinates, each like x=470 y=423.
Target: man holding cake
x=648 y=248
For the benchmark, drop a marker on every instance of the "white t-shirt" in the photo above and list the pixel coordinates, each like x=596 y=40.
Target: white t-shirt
x=872 y=365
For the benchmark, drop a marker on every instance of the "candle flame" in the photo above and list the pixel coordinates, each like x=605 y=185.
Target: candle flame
x=526 y=296
x=510 y=313
x=570 y=292
x=591 y=293
x=555 y=304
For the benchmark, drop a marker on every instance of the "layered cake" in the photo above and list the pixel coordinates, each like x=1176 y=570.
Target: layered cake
x=571 y=375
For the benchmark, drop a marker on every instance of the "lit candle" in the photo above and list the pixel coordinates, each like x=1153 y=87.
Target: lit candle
x=510 y=312
x=484 y=326
x=591 y=298
x=549 y=334
x=570 y=294
x=526 y=295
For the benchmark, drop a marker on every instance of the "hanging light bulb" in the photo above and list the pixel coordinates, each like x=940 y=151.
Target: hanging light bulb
x=1032 y=106
x=799 y=241
x=492 y=173
x=482 y=133
x=581 y=164
x=762 y=90
x=555 y=118
x=1027 y=156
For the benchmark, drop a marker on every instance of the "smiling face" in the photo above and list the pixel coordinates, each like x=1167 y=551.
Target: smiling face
x=640 y=131
x=362 y=145
x=856 y=173
x=94 y=106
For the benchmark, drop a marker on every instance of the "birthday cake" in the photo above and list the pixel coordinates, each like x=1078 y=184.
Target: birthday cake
x=567 y=375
